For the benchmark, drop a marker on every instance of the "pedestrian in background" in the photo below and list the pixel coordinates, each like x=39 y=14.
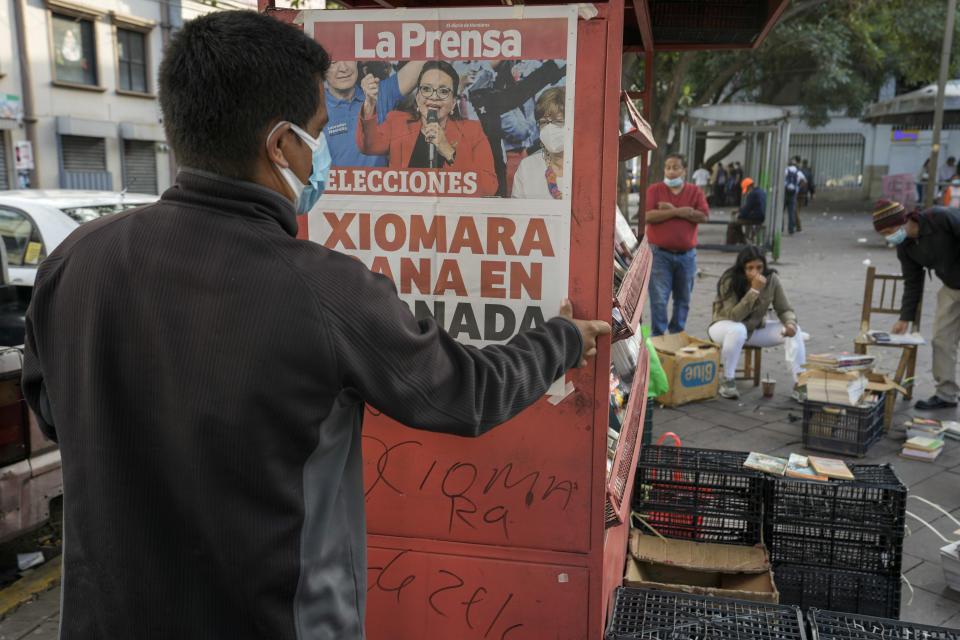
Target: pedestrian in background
x=923 y=176
x=791 y=187
x=205 y=371
x=928 y=240
x=719 y=186
x=807 y=188
x=701 y=178
x=674 y=209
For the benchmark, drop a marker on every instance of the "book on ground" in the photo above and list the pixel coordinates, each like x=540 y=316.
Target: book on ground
x=951 y=429
x=831 y=467
x=924 y=443
x=917 y=454
x=768 y=464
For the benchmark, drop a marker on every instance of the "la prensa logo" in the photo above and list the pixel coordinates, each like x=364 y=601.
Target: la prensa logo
x=697 y=374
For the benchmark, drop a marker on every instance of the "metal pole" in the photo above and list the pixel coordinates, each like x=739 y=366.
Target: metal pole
x=934 y=169
x=26 y=89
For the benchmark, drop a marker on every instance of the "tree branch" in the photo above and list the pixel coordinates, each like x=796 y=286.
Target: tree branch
x=723 y=78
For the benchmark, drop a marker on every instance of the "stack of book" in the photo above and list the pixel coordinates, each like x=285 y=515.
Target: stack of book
x=835 y=387
x=923 y=427
x=836 y=378
x=840 y=361
x=922 y=448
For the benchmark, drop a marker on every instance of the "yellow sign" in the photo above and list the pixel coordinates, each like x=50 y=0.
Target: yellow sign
x=33 y=253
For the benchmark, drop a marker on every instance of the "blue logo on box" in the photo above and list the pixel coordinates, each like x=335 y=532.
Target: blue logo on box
x=697 y=374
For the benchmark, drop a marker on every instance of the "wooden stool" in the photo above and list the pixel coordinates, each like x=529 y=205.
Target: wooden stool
x=751 y=365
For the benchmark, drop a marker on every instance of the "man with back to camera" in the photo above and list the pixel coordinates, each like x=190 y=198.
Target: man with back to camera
x=792 y=181
x=344 y=100
x=928 y=240
x=674 y=209
x=205 y=371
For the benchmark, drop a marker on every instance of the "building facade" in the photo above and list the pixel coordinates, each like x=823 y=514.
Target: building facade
x=78 y=92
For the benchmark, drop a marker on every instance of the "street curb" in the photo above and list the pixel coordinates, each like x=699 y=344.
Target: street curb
x=28 y=587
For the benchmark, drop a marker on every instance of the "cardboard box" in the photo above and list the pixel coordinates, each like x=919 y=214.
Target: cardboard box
x=691 y=366
x=700 y=568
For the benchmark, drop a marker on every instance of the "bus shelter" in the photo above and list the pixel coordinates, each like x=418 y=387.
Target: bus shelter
x=764 y=131
x=521 y=533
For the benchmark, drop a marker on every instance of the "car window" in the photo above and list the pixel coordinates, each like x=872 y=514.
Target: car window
x=86 y=214
x=21 y=239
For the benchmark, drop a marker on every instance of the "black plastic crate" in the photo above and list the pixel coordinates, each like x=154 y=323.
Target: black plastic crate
x=878 y=551
x=840 y=429
x=648 y=423
x=698 y=494
x=860 y=592
x=876 y=500
x=831 y=625
x=642 y=613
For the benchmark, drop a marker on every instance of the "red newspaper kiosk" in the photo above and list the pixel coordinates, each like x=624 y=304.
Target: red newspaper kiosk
x=521 y=533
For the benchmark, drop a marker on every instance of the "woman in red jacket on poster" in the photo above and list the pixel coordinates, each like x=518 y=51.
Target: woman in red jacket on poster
x=432 y=137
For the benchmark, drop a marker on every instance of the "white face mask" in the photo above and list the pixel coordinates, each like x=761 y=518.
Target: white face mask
x=551 y=137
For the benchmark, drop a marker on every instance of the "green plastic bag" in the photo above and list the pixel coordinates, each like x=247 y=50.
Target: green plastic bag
x=657 y=384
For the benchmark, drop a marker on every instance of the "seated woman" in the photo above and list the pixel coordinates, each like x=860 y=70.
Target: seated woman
x=541 y=174
x=744 y=293
x=433 y=136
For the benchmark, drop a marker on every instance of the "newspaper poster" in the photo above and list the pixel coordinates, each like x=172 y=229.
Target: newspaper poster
x=451 y=133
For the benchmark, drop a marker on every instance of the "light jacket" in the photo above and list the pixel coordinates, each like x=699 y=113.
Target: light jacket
x=751 y=309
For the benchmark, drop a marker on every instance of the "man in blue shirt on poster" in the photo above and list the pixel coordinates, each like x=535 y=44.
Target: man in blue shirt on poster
x=345 y=99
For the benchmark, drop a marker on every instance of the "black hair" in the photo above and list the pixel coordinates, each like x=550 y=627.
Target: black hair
x=679 y=156
x=796 y=159
x=447 y=68
x=225 y=77
x=736 y=276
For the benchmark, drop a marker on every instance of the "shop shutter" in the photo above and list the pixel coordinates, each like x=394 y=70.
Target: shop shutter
x=139 y=166
x=4 y=167
x=84 y=163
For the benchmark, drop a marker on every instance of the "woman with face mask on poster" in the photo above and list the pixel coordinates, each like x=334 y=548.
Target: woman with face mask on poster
x=432 y=135
x=541 y=174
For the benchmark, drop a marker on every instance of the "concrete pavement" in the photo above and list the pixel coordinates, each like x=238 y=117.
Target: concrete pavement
x=823 y=270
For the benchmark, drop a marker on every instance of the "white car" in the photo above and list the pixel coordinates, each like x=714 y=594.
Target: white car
x=32 y=224
x=34 y=221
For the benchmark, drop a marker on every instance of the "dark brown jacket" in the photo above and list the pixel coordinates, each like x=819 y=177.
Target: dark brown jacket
x=205 y=373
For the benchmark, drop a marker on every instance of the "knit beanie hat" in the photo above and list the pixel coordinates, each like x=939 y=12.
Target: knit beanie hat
x=888 y=214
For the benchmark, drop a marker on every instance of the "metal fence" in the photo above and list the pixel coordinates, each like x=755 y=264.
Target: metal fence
x=836 y=158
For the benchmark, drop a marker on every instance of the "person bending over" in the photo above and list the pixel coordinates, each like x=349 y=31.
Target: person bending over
x=745 y=292
x=928 y=240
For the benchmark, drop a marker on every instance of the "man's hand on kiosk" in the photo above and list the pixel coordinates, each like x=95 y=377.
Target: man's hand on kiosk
x=589 y=329
x=900 y=327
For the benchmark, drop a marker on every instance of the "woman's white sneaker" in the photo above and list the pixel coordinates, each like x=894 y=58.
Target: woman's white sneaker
x=728 y=389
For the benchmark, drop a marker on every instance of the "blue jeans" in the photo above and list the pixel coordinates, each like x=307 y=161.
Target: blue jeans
x=671 y=273
x=790 y=203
